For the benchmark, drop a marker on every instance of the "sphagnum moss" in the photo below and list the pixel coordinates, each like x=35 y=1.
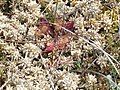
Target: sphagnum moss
x=22 y=63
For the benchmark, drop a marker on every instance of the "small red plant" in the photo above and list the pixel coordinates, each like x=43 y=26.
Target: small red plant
x=43 y=27
x=60 y=38
x=62 y=42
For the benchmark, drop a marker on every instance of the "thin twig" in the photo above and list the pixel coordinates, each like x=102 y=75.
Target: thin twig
x=91 y=64
x=1 y=88
x=56 y=8
x=47 y=7
x=23 y=42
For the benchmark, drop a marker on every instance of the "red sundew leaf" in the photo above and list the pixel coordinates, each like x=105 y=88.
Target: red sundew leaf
x=49 y=47
x=38 y=32
x=41 y=30
x=69 y=25
x=42 y=20
x=51 y=31
x=43 y=26
x=44 y=29
x=62 y=42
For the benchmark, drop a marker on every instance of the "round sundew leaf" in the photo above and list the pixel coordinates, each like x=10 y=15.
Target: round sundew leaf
x=62 y=41
x=49 y=47
x=69 y=25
